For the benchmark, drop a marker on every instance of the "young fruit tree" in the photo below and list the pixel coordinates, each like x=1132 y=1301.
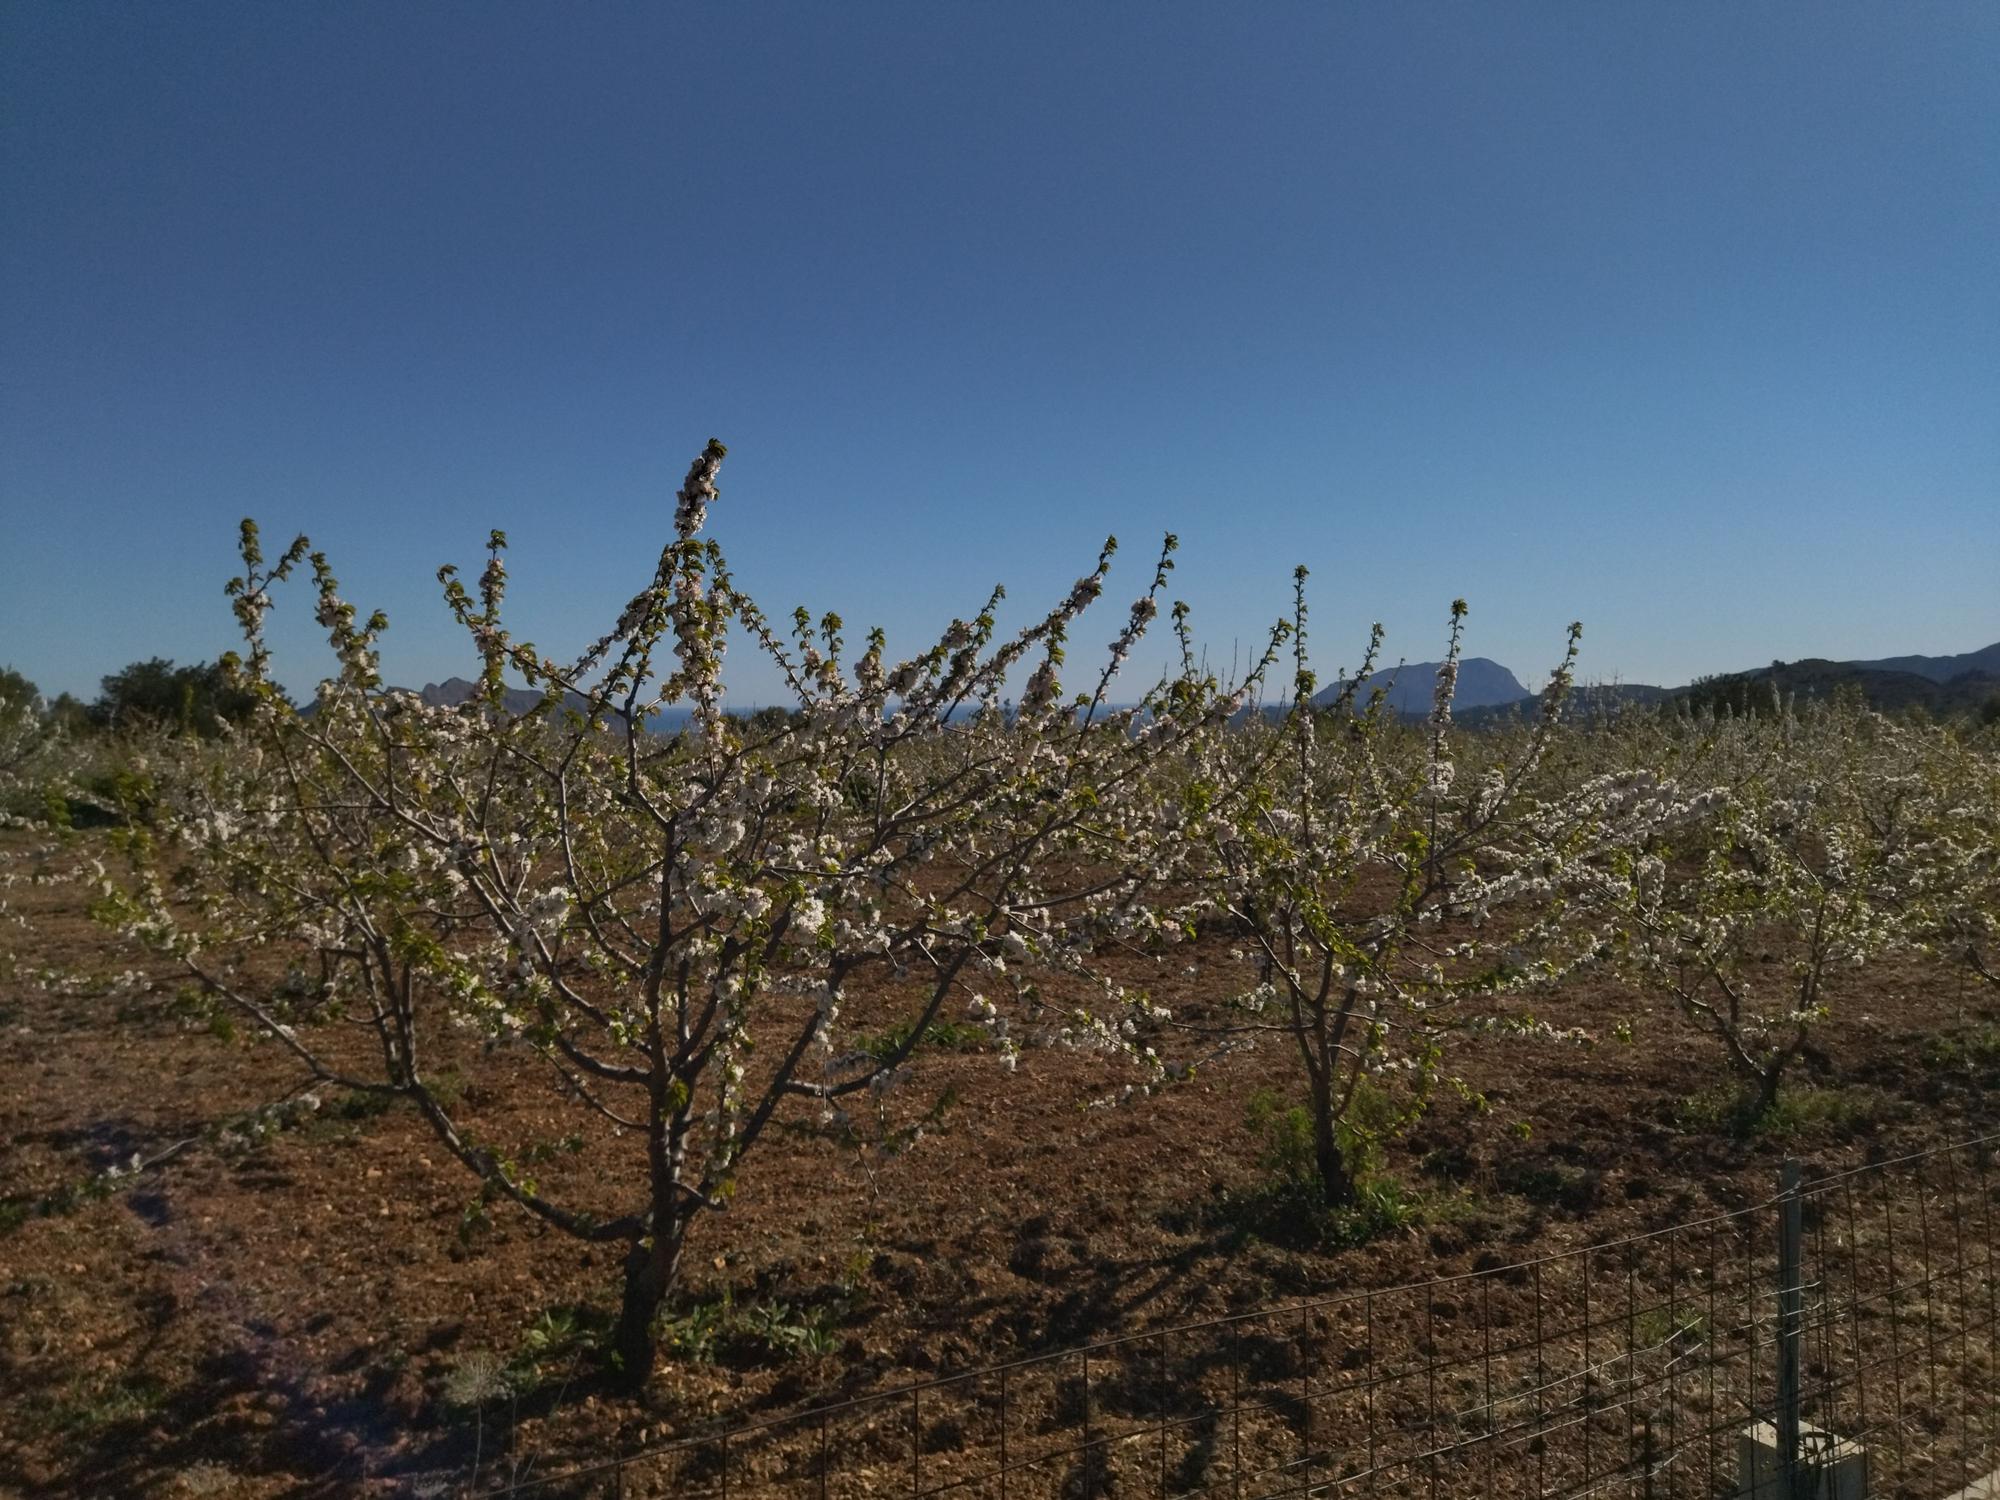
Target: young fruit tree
x=1781 y=853
x=1952 y=870
x=1375 y=892
x=30 y=739
x=670 y=926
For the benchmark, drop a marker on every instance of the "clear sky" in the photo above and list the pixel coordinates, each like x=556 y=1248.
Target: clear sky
x=1682 y=319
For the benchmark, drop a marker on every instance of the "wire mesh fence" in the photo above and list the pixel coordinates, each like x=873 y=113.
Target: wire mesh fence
x=1854 y=1314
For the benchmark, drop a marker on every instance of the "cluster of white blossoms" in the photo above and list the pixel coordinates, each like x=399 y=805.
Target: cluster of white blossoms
x=31 y=742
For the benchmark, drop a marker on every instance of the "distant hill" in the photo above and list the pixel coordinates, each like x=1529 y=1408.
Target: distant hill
x=1490 y=694
x=456 y=690
x=1594 y=699
x=1886 y=688
x=1482 y=683
x=1937 y=668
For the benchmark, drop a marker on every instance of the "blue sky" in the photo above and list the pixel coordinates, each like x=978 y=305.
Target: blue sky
x=1681 y=320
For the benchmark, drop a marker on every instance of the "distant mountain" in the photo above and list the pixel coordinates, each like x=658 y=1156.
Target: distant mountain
x=1889 y=689
x=1490 y=694
x=1482 y=683
x=1594 y=700
x=1938 y=668
x=456 y=690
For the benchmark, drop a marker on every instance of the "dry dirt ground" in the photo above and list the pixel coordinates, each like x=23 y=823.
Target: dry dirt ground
x=323 y=1310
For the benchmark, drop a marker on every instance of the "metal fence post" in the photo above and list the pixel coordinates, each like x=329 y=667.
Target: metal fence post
x=1795 y=1480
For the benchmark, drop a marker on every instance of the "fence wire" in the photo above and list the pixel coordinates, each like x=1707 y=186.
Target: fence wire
x=1625 y=1369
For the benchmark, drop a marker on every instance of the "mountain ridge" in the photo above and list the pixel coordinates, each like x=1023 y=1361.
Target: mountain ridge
x=1482 y=683
x=1488 y=692
x=1962 y=682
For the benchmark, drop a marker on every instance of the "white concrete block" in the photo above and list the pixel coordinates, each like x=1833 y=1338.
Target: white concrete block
x=1840 y=1464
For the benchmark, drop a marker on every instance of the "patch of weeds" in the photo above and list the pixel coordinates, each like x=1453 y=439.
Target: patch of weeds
x=1289 y=1206
x=789 y=1333
x=538 y=1152
x=56 y=809
x=1297 y=1214
x=128 y=1398
x=1383 y=1205
x=1732 y=1110
x=1286 y=1137
x=717 y=1328
x=1974 y=1051
x=1679 y=1329
x=693 y=1334
x=475 y=1220
x=113 y=798
x=550 y=1345
x=942 y=1036
x=1453 y=1163
x=361 y=1105
x=198 y=1009
x=352 y=1108
x=17 y=1209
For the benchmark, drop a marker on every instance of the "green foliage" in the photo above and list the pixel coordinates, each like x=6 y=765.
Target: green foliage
x=1285 y=1136
x=1383 y=1206
x=196 y=699
x=712 y=1329
x=1732 y=1110
x=1285 y=1132
x=1290 y=1204
x=17 y=1208
x=792 y=1333
x=17 y=696
x=1973 y=1051
x=1682 y=1329
x=346 y=1115
x=126 y=1397
x=692 y=1334
x=553 y=1347
x=124 y=788
x=1295 y=1213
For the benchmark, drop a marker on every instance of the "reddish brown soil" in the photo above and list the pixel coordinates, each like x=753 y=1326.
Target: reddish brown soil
x=290 y=1319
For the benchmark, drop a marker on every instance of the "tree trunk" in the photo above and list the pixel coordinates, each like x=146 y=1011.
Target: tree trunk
x=1767 y=1090
x=1336 y=1179
x=650 y=1268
